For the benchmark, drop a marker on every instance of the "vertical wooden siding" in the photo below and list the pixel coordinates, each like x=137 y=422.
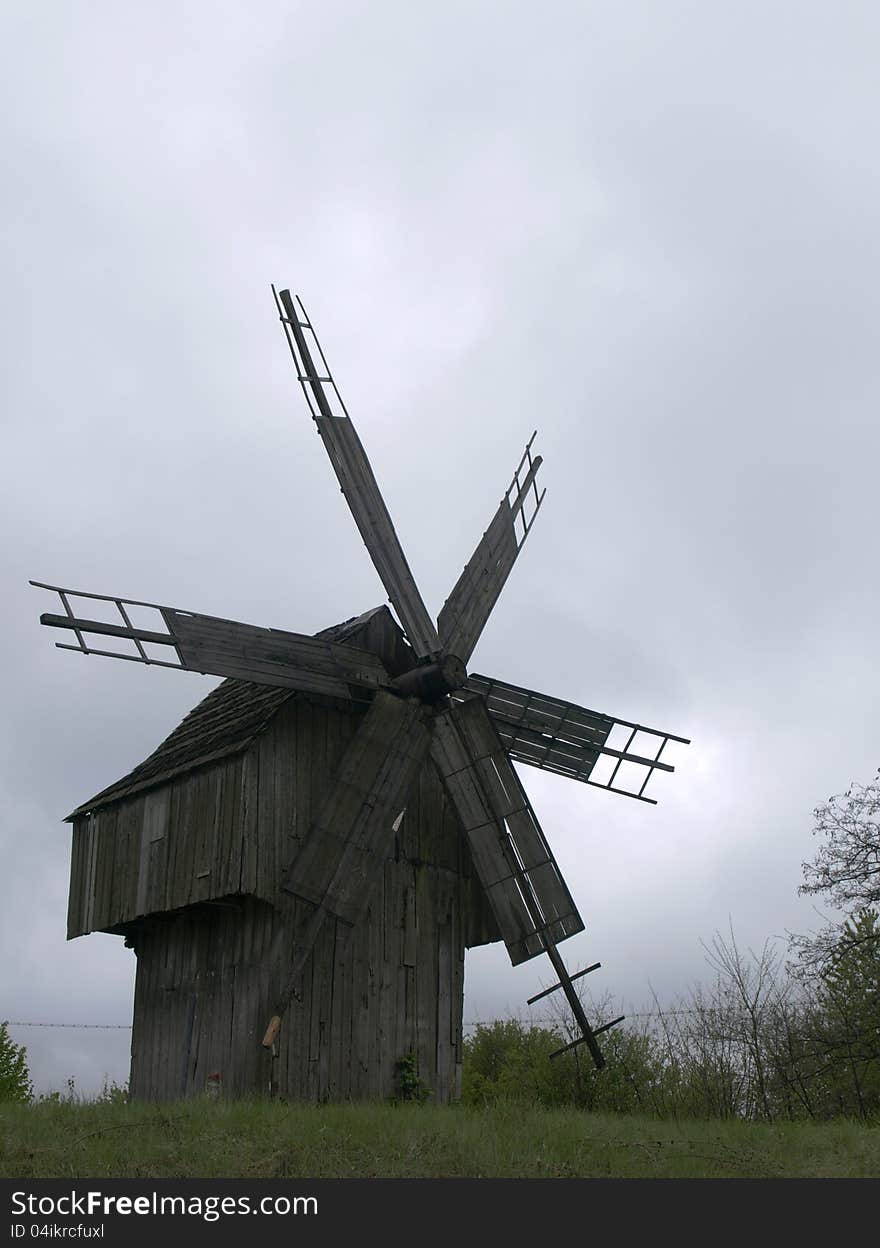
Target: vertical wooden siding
x=157 y=864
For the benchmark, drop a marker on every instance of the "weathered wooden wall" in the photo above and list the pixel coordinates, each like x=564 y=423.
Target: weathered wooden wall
x=371 y=995
x=190 y=872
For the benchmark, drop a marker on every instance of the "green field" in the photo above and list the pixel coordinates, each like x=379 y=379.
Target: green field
x=250 y=1140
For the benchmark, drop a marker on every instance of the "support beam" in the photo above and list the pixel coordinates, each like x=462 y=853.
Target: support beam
x=546 y=993
x=581 y=1039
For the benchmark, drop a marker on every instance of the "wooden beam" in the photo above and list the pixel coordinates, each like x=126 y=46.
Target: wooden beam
x=344 y=851
x=355 y=476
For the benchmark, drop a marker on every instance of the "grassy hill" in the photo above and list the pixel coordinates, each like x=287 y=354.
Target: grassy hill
x=261 y=1140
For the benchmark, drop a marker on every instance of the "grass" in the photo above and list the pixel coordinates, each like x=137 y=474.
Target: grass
x=259 y=1140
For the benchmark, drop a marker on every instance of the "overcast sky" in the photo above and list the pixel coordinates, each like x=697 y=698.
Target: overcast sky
x=648 y=229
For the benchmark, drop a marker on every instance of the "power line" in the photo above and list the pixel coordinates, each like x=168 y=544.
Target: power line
x=84 y=1026
x=468 y=1022
x=488 y=1022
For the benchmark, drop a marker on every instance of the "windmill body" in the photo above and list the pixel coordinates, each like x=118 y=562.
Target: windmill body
x=302 y=864
x=184 y=858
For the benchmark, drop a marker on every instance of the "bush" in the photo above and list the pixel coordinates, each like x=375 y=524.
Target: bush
x=15 y=1080
x=510 y=1061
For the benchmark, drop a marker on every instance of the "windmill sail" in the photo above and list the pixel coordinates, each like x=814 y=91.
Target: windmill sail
x=529 y=898
x=342 y=856
x=358 y=483
x=349 y=840
x=470 y=604
x=218 y=647
x=560 y=736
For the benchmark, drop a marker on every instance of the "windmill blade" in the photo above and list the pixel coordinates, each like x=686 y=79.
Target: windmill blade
x=476 y=591
x=528 y=896
x=356 y=478
x=350 y=838
x=559 y=736
x=342 y=855
x=218 y=647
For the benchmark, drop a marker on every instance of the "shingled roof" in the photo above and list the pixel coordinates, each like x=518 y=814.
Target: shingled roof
x=223 y=723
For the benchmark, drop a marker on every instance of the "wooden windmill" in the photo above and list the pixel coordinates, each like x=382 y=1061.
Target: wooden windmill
x=336 y=822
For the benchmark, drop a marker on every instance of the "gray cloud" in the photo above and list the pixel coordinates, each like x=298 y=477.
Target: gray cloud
x=648 y=230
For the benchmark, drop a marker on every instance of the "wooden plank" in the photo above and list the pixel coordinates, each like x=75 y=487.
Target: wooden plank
x=124 y=850
x=175 y=845
x=390 y=936
x=156 y=870
x=404 y=951
x=347 y=1010
x=360 y=1039
x=132 y=847
x=241 y=989
x=272 y=656
x=327 y=980
x=317 y=971
x=77 y=874
x=462 y=785
x=153 y=1013
x=426 y=981
x=295 y=1032
x=154 y=826
x=305 y=1015
x=447 y=846
x=543 y=715
x=266 y=1070
x=351 y=835
x=562 y=762
x=230 y=797
x=103 y=855
x=182 y=800
x=91 y=869
x=86 y=884
x=460 y=922
x=468 y=607
x=410 y=929
x=502 y=831
x=284 y=825
x=445 y=1027
x=204 y=883
x=305 y=714
x=542 y=747
x=470 y=604
x=201 y=862
x=359 y=487
x=373 y=924
x=222 y=819
x=267 y=866
x=485 y=836
x=248 y=810
x=508 y=799
x=549 y=733
x=238 y=805
x=339 y=1055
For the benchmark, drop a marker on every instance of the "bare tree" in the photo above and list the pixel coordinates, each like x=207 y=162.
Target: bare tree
x=748 y=987
x=845 y=871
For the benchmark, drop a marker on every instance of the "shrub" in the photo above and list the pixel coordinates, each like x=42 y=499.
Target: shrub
x=15 y=1080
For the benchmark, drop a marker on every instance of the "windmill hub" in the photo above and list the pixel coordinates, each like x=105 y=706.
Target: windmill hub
x=432 y=681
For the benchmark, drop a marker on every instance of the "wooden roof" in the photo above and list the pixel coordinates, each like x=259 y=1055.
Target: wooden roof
x=226 y=721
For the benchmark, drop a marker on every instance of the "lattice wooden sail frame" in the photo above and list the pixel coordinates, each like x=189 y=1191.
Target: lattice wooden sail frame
x=554 y=735
x=219 y=647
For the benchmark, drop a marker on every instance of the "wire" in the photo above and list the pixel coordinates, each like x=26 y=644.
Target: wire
x=469 y=1022
x=86 y=1026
